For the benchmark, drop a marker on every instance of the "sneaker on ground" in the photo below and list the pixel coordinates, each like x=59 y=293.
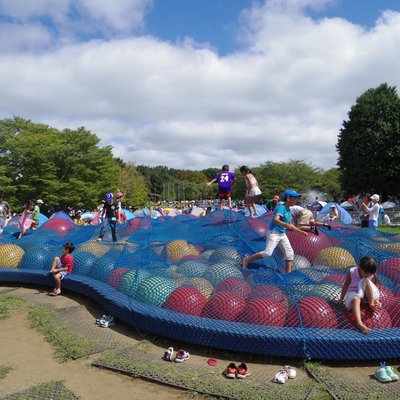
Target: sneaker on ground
x=242 y=371
x=102 y=318
x=169 y=354
x=381 y=374
x=291 y=371
x=230 y=371
x=181 y=356
x=281 y=377
x=107 y=324
x=392 y=375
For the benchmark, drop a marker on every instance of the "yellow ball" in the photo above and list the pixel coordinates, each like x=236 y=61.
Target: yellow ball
x=93 y=248
x=334 y=257
x=394 y=247
x=10 y=256
x=203 y=285
x=177 y=249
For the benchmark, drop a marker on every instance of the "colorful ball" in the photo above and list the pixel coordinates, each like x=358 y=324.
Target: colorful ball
x=225 y=253
x=379 y=319
x=220 y=271
x=10 y=256
x=155 y=290
x=93 y=248
x=314 y=313
x=59 y=225
x=270 y=292
x=37 y=258
x=192 y=268
x=300 y=262
x=114 y=279
x=263 y=311
x=328 y=291
x=102 y=268
x=177 y=249
x=391 y=269
x=225 y=306
x=236 y=286
x=203 y=285
x=131 y=281
x=335 y=257
x=259 y=226
x=187 y=300
x=83 y=261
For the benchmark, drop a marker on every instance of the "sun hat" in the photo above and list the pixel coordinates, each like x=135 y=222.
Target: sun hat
x=39 y=201
x=119 y=194
x=290 y=193
x=375 y=197
x=276 y=197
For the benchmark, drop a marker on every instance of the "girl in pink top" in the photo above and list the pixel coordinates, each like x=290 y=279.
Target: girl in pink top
x=360 y=285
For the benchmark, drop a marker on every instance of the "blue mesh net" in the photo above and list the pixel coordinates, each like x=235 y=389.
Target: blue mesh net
x=181 y=277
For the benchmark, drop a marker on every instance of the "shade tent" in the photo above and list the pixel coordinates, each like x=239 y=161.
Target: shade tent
x=388 y=205
x=260 y=210
x=344 y=216
x=317 y=205
x=348 y=206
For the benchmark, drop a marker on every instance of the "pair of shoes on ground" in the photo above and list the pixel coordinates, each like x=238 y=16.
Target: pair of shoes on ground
x=179 y=356
x=287 y=372
x=385 y=373
x=105 y=321
x=240 y=372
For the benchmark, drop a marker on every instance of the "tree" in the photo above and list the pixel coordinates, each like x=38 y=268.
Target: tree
x=65 y=168
x=133 y=185
x=369 y=143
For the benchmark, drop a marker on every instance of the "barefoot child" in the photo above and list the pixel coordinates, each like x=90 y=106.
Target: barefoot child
x=252 y=190
x=62 y=266
x=277 y=232
x=360 y=285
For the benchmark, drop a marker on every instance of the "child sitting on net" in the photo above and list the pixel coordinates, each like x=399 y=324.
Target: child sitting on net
x=62 y=266
x=360 y=286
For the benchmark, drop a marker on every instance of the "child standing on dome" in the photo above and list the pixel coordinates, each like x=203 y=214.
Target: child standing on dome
x=225 y=181
x=252 y=192
x=360 y=286
x=109 y=214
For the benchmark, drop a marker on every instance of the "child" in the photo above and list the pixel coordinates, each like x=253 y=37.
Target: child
x=225 y=181
x=62 y=266
x=121 y=218
x=25 y=222
x=110 y=211
x=360 y=285
x=252 y=192
x=277 y=228
x=4 y=212
x=303 y=218
x=36 y=213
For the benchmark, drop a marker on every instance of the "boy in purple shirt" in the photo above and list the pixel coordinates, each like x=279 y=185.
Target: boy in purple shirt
x=225 y=181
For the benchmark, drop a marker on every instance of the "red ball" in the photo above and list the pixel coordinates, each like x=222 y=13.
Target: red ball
x=236 y=286
x=58 y=225
x=315 y=313
x=371 y=318
x=386 y=297
x=261 y=227
x=391 y=269
x=394 y=312
x=263 y=311
x=186 y=300
x=334 y=278
x=270 y=292
x=309 y=246
x=114 y=279
x=223 y=305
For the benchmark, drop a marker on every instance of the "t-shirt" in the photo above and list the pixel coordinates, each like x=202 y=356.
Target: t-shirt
x=67 y=261
x=111 y=210
x=225 y=181
x=4 y=207
x=36 y=212
x=285 y=216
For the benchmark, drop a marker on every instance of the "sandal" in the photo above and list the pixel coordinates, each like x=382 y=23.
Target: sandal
x=381 y=374
x=291 y=371
x=281 y=376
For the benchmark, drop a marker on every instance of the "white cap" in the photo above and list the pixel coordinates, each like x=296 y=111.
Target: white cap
x=39 y=201
x=375 y=197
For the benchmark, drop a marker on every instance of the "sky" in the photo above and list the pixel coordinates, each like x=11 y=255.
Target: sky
x=194 y=84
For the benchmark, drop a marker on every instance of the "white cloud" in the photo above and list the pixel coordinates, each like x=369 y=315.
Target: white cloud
x=182 y=105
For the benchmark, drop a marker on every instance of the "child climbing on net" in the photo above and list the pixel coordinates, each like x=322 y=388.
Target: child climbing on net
x=360 y=286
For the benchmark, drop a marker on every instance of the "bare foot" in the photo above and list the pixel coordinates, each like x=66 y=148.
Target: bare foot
x=245 y=262
x=364 y=329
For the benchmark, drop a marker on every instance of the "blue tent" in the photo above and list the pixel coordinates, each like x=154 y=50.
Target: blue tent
x=344 y=216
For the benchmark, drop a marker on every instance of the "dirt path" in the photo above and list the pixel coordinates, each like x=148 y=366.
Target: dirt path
x=32 y=362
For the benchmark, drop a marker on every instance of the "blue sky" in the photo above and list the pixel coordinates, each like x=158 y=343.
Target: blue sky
x=198 y=83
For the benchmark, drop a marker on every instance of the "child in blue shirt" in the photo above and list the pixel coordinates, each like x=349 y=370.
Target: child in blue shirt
x=277 y=232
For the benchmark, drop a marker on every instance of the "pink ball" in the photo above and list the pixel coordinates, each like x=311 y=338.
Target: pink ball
x=391 y=269
x=270 y=292
x=394 y=312
x=223 y=305
x=263 y=311
x=58 y=225
x=335 y=278
x=186 y=300
x=386 y=296
x=261 y=227
x=236 y=286
x=114 y=279
x=315 y=313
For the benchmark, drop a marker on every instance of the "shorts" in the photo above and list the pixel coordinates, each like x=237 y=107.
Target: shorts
x=254 y=192
x=305 y=217
x=350 y=296
x=62 y=273
x=224 y=195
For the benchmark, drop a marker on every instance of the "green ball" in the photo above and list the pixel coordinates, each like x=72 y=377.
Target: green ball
x=220 y=271
x=155 y=290
x=131 y=281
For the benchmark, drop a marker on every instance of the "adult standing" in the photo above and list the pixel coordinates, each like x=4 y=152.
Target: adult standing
x=252 y=190
x=373 y=211
x=4 y=212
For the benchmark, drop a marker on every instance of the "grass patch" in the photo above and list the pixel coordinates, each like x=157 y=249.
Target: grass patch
x=9 y=304
x=389 y=229
x=67 y=343
x=46 y=390
x=200 y=381
x=4 y=370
